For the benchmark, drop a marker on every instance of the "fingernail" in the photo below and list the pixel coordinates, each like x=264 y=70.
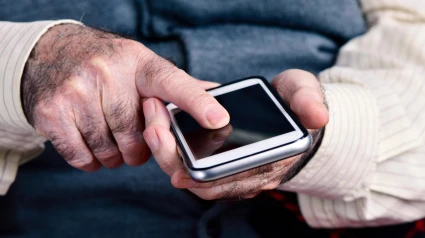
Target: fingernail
x=217 y=116
x=152 y=141
x=150 y=110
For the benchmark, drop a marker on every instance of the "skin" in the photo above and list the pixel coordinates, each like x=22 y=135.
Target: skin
x=98 y=98
x=299 y=89
x=83 y=90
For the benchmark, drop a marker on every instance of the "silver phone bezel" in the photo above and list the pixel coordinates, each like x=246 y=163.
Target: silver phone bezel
x=250 y=162
x=242 y=151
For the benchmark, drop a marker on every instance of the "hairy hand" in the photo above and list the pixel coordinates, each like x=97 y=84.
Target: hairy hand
x=299 y=89
x=83 y=88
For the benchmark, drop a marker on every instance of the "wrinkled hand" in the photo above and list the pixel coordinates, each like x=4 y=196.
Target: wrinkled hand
x=83 y=88
x=299 y=89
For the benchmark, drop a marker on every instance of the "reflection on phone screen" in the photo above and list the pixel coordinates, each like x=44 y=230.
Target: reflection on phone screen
x=253 y=117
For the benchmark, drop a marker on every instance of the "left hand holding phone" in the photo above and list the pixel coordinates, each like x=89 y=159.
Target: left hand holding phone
x=299 y=89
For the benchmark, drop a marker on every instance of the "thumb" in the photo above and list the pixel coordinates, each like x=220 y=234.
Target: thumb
x=157 y=77
x=302 y=91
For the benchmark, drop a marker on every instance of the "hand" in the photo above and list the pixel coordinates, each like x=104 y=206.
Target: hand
x=299 y=89
x=83 y=89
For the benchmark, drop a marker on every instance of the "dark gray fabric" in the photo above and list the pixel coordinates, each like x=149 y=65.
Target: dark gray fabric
x=116 y=15
x=339 y=19
x=225 y=40
x=215 y=40
x=50 y=199
x=229 y=52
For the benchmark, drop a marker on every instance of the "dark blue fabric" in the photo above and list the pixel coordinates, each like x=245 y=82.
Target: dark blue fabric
x=215 y=40
x=116 y=15
x=225 y=40
x=50 y=199
x=228 y=52
x=339 y=19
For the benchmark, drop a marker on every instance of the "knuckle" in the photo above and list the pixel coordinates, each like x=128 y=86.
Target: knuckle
x=100 y=143
x=199 y=99
x=278 y=79
x=168 y=76
x=68 y=154
x=124 y=117
x=89 y=133
x=107 y=155
x=119 y=117
x=65 y=149
x=81 y=163
x=283 y=76
x=299 y=94
x=71 y=155
x=137 y=49
x=129 y=141
x=156 y=69
x=75 y=88
x=282 y=87
x=50 y=115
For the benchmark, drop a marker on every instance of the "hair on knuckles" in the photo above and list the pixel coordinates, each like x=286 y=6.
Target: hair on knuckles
x=170 y=59
x=66 y=150
x=123 y=121
x=95 y=139
x=56 y=57
x=155 y=67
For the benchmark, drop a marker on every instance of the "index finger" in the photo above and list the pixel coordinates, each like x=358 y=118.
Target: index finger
x=157 y=77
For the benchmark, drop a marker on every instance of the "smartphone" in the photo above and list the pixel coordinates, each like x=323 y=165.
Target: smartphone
x=262 y=130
